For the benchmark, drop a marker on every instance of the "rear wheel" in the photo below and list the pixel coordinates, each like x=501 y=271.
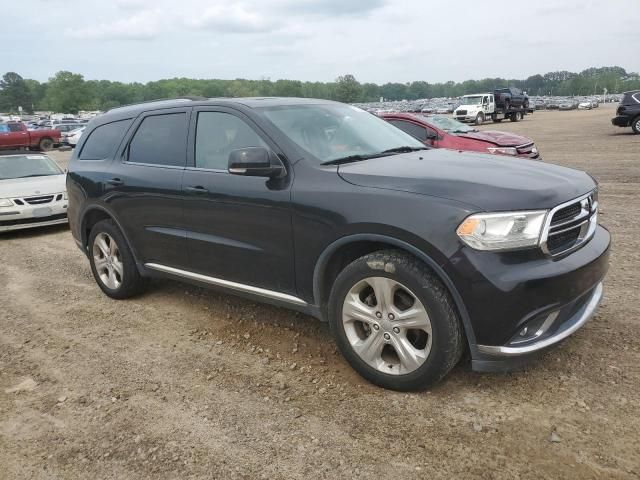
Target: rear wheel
x=635 y=125
x=394 y=321
x=112 y=263
x=514 y=117
x=45 y=144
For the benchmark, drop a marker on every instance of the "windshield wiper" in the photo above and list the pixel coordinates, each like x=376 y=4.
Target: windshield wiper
x=405 y=149
x=349 y=159
x=37 y=175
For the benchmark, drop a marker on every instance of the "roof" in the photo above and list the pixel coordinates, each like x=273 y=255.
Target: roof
x=250 y=102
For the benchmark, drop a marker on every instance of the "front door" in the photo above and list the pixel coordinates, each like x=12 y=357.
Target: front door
x=238 y=227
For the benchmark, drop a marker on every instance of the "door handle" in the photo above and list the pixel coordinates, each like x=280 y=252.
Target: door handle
x=115 y=182
x=198 y=190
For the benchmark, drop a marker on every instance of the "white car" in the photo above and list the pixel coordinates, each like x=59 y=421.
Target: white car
x=32 y=192
x=73 y=137
x=585 y=105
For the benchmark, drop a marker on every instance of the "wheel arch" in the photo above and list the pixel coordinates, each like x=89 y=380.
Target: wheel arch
x=348 y=248
x=94 y=214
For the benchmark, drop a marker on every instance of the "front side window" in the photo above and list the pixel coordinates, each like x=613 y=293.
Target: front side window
x=160 y=140
x=412 y=129
x=330 y=132
x=103 y=140
x=217 y=135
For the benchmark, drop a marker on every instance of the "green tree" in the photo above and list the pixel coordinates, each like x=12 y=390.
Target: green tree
x=347 y=89
x=67 y=93
x=14 y=93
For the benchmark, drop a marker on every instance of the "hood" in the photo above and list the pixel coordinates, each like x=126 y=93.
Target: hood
x=31 y=186
x=488 y=182
x=501 y=139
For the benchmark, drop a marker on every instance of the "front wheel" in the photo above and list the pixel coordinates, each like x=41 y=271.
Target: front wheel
x=479 y=119
x=112 y=262
x=394 y=321
x=635 y=125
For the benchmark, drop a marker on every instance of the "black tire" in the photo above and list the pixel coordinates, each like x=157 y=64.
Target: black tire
x=131 y=282
x=447 y=340
x=479 y=119
x=45 y=144
x=513 y=117
x=635 y=125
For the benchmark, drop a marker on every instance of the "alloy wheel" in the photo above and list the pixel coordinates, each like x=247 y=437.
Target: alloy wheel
x=387 y=325
x=107 y=260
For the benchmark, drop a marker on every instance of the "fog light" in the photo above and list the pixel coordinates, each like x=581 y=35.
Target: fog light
x=534 y=328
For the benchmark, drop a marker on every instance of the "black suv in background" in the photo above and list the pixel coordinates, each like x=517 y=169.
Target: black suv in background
x=411 y=254
x=628 y=112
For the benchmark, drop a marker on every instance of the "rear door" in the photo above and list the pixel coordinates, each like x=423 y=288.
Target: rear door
x=145 y=186
x=238 y=227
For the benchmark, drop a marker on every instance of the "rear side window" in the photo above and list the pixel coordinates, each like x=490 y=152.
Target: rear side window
x=160 y=140
x=412 y=129
x=14 y=127
x=103 y=140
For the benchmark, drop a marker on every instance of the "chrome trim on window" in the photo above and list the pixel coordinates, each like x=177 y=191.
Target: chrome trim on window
x=587 y=312
x=227 y=284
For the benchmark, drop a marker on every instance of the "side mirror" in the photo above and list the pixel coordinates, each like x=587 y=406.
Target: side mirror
x=432 y=135
x=255 y=162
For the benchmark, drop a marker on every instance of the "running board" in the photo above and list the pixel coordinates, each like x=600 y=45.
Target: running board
x=283 y=297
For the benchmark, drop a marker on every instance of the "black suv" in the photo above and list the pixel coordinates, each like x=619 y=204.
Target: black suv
x=628 y=112
x=411 y=254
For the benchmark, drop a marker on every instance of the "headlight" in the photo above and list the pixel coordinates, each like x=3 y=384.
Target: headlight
x=503 y=150
x=502 y=231
x=5 y=202
x=65 y=196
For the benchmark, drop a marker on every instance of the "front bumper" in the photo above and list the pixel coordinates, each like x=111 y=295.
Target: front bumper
x=19 y=217
x=621 y=121
x=506 y=292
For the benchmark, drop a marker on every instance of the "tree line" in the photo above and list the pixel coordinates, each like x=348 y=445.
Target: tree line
x=69 y=92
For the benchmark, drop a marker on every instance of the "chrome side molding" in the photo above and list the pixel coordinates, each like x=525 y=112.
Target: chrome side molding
x=241 y=287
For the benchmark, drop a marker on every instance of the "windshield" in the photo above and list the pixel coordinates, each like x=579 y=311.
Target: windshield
x=449 y=124
x=472 y=100
x=21 y=166
x=335 y=131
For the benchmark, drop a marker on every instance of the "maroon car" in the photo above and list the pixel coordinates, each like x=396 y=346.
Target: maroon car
x=445 y=132
x=15 y=135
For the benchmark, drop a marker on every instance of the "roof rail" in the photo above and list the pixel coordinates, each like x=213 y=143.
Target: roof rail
x=193 y=98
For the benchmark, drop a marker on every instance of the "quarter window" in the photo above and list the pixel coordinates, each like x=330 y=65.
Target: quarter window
x=217 y=134
x=103 y=140
x=160 y=140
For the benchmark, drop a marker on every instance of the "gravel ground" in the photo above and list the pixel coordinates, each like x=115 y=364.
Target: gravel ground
x=187 y=383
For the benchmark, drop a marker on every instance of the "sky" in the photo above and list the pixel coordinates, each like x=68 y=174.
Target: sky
x=316 y=40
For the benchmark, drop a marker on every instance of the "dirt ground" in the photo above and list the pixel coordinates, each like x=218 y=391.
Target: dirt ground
x=187 y=383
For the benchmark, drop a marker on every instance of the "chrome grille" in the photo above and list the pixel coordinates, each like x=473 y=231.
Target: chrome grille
x=38 y=200
x=570 y=225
